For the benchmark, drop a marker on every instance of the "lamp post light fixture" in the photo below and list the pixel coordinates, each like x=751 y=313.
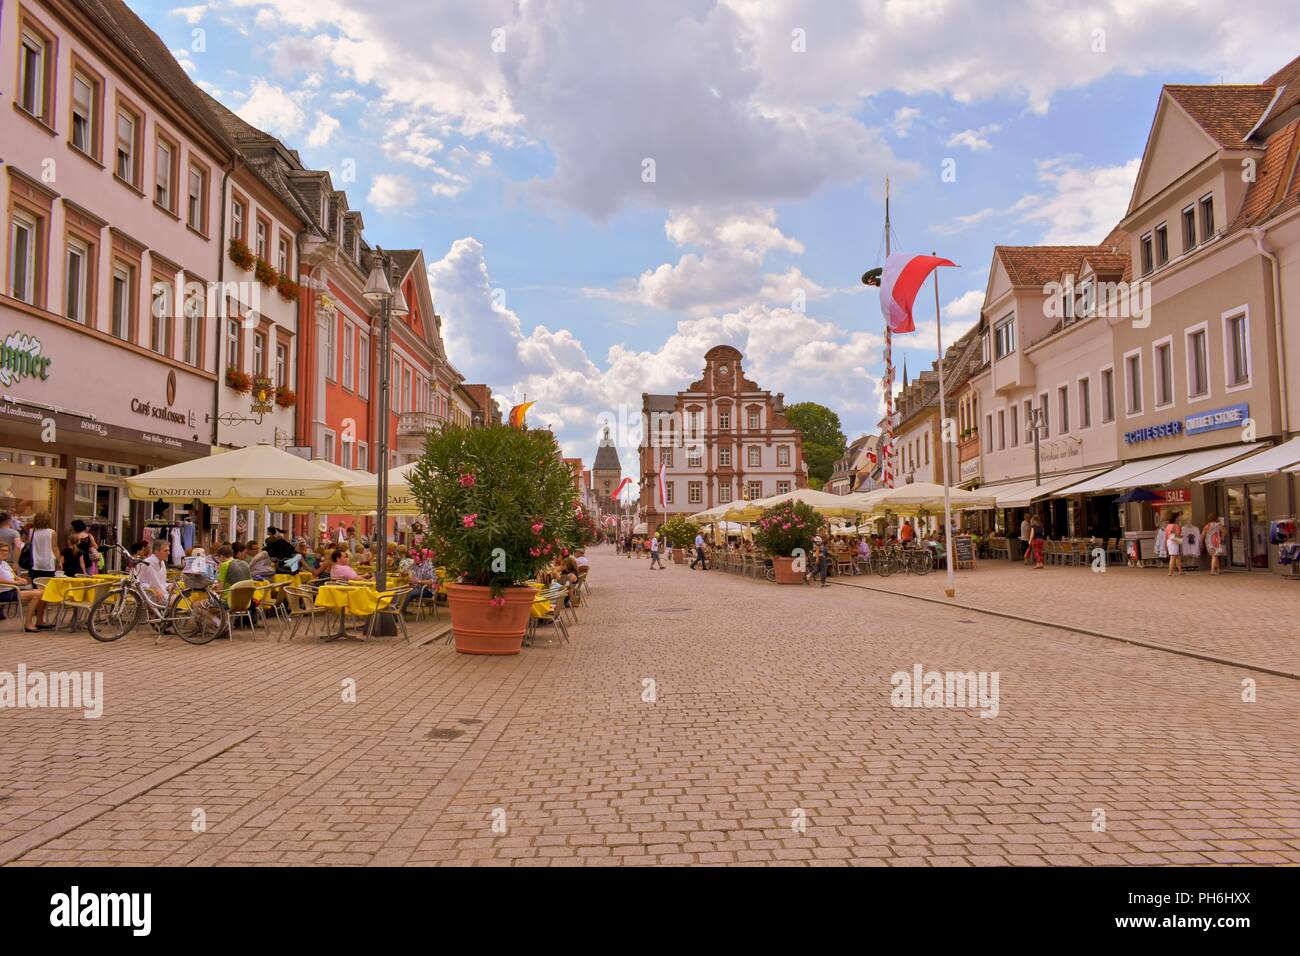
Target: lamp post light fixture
x=379 y=290
x=1037 y=421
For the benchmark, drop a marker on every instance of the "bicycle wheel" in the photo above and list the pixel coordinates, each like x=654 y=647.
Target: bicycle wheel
x=922 y=562
x=885 y=565
x=198 y=617
x=114 y=614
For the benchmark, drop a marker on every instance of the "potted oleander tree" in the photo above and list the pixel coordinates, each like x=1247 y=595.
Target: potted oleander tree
x=786 y=533
x=500 y=504
x=679 y=531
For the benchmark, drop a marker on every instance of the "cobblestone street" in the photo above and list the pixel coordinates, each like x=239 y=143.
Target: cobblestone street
x=695 y=718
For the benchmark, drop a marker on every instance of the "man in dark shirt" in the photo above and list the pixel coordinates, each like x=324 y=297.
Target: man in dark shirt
x=278 y=547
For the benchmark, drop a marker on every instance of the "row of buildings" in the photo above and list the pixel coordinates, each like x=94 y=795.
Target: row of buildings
x=1163 y=358
x=178 y=281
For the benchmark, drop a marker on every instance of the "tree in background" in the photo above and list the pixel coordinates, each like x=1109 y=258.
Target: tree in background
x=823 y=439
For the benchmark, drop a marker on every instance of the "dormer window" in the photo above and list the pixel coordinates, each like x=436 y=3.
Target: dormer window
x=1067 y=306
x=1087 y=300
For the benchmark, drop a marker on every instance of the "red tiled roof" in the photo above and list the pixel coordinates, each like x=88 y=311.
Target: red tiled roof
x=1227 y=113
x=1288 y=76
x=1038 y=265
x=1277 y=183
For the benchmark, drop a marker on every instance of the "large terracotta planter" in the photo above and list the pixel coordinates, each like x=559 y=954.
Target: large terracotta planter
x=785 y=573
x=482 y=628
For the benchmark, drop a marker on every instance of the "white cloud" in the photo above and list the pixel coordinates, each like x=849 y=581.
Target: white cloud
x=966 y=305
x=1082 y=204
x=323 y=131
x=974 y=139
x=785 y=350
x=191 y=15
x=390 y=192
x=904 y=118
x=272 y=109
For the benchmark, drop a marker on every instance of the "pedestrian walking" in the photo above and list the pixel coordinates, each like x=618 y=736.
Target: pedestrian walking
x=1037 y=541
x=1212 y=535
x=654 y=554
x=1024 y=538
x=821 y=559
x=699 y=553
x=1174 y=543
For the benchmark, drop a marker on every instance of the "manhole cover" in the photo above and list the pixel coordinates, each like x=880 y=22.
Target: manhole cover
x=444 y=733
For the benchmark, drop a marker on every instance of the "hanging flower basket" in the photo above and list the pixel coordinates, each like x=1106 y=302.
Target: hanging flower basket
x=265 y=273
x=239 y=381
x=286 y=397
x=288 y=289
x=240 y=254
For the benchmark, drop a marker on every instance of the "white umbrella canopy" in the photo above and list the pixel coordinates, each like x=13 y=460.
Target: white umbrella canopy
x=921 y=496
x=260 y=475
x=823 y=502
x=716 y=513
x=364 y=492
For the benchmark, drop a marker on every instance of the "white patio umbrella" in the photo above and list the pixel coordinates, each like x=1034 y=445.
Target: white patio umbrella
x=260 y=475
x=364 y=492
x=823 y=502
x=920 y=496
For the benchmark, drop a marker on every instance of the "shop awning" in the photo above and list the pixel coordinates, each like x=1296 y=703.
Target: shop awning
x=1020 y=494
x=1193 y=463
x=1121 y=477
x=1266 y=462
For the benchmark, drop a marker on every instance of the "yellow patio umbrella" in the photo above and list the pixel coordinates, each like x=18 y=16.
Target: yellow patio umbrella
x=260 y=475
x=823 y=502
x=919 y=496
x=364 y=493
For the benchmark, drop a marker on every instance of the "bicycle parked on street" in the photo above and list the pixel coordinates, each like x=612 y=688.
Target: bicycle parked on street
x=196 y=615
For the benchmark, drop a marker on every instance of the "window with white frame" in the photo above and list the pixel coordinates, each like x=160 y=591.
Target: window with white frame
x=1189 y=229
x=23 y=231
x=1085 y=402
x=1198 y=362
x=1162 y=244
x=1063 y=409
x=695 y=492
x=724 y=419
x=988 y=432
x=1004 y=337
x=281 y=365
x=282 y=258
x=754 y=489
x=237 y=214
x=694 y=457
x=1043 y=412
x=1029 y=421
x=1236 y=351
x=724 y=457
x=329 y=447
x=128 y=132
x=406 y=390
x=196 y=199
x=349 y=343
x=76 y=281
x=783 y=456
x=753 y=456
x=724 y=492
x=666 y=456
x=1107 y=395
x=194 y=307
x=160 y=319
x=754 y=419
x=363 y=366
x=363 y=456
x=83 y=112
x=668 y=492
x=1207 y=217
x=164 y=158
x=1148 y=254
x=233 y=357
x=1163 y=362
x=259 y=354
x=783 y=487
x=331 y=330
x=1133 y=382
x=1015 y=426
x=261 y=240
x=121 y=293
x=33 y=74
x=1002 y=429
x=346 y=453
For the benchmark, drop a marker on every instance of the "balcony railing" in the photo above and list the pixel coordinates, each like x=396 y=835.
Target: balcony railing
x=416 y=423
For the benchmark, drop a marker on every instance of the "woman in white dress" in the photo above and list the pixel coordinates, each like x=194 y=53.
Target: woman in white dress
x=44 y=559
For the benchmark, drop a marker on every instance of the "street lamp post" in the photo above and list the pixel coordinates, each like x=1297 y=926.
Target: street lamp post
x=379 y=289
x=1036 y=420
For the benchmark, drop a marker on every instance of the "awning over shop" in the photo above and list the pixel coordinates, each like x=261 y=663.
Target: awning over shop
x=1193 y=463
x=1120 y=477
x=1266 y=462
x=1020 y=494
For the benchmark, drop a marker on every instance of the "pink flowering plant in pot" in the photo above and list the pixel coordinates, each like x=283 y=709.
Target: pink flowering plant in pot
x=500 y=505
x=783 y=528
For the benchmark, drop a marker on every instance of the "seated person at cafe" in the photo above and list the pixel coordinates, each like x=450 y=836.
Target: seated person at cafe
x=233 y=567
x=153 y=572
x=424 y=576
x=33 y=606
x=262 y=567
x=341 y=566
x=278 y=547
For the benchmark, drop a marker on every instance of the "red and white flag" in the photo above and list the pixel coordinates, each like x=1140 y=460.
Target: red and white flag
x=619 y=490
x=901 y=280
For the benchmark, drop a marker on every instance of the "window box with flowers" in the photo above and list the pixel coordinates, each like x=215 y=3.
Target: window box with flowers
x=286 y=397
x=288 y=289
x=239 y=381
x=239 y=253
x=265 y=273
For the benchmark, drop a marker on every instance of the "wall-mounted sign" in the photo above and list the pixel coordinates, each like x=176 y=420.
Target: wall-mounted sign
x=970 y=468
x=1176 y=496
x=20 y=358
x=1234 y=416
x=1167 y=430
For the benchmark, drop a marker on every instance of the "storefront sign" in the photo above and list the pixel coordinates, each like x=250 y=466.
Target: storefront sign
x=164 y=413
x=1177 y=496
x=1167 y=430
x=970 y=469
x=1234 y=416
x=20 y=358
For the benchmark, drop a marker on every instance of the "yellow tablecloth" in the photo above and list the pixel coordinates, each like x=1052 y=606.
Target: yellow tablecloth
x=57 y=589
x=359 y=600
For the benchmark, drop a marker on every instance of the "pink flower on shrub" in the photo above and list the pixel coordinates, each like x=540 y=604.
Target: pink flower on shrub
x=564 y=552
x=786 y=526
x=467 y=480
x=470 y=520
x=535 y=552
x=546 y=550
x=537 y=528
x=499 y=601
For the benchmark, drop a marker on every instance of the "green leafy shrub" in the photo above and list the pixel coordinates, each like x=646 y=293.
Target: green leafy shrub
x=785 y=527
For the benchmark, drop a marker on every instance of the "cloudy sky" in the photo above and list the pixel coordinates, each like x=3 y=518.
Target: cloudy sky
x=606 y=189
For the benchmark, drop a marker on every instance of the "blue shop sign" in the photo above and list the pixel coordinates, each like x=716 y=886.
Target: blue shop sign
x=1167 y=430
x=1234 y=416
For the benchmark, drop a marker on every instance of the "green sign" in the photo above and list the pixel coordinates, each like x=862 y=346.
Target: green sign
x=20 y=358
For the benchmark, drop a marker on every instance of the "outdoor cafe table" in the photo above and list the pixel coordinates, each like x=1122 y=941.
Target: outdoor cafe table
x=359 y=600
x=75 y=590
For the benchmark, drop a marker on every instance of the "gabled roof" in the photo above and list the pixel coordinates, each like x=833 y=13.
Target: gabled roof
x=1227 y=113
x=1039 y=265
x=607 y=459
x=1276 y=188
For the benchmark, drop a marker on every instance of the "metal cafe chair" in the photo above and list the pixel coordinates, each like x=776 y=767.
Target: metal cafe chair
x=392 y=607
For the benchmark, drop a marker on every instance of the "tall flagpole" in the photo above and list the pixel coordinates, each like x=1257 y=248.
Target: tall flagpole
x=951 y=589
x=887 y=466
